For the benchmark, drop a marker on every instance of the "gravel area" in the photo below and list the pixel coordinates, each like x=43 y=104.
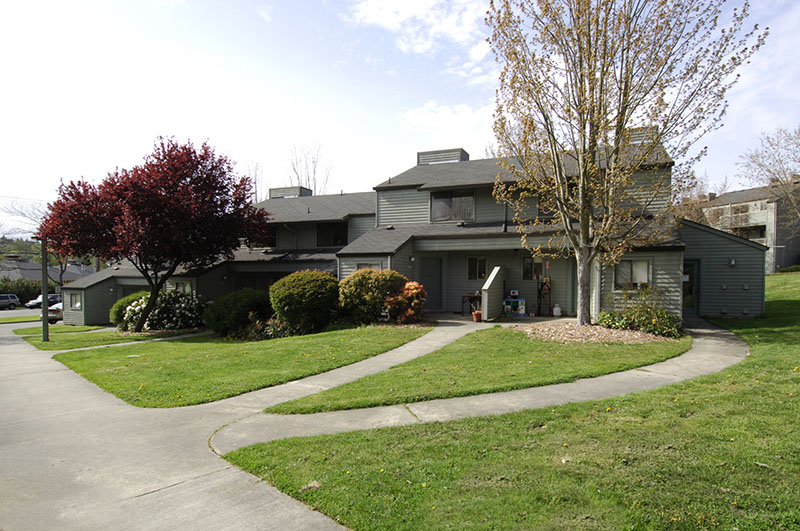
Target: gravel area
x=572 y=333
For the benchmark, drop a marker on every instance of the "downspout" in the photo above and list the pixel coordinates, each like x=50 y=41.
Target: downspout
x=505 y=217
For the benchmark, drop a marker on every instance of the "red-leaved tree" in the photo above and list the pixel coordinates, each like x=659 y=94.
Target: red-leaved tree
x=183 y=207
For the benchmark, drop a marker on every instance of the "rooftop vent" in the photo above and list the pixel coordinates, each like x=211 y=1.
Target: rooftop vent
x=442 y=155
x=289 y=191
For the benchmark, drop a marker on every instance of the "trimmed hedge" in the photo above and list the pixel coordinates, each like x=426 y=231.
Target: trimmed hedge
x=363 y=294
x=642 y=310
x=305 y=301
x=232 y=313
x=117 y=312
x=790 y=269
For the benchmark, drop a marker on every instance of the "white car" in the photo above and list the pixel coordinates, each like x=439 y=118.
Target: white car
x=55 y=313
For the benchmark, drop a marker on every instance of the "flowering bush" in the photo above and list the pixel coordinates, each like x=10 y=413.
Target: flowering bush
x=362 y=295
x=174 y=311
x=642 y=310
x=259 y=329
x=117 y=313
x=406 y=306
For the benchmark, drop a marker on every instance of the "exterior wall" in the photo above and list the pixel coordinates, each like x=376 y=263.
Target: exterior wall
x=455 y=283
x=788 y=236
x=358 y=226
x=724 y=290
x=666 y=274
x=349 y=264
x=653 y=186
x=487 y=209
x=73 y=316
x=297 y=236
x=97 y=302
x=401 y=261
x=403 y=206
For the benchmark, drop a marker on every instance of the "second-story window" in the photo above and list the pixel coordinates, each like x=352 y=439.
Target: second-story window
x=452 y=206
x=331 y=234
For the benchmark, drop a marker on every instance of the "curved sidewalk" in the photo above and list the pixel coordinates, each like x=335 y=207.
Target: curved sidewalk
x=713 y=349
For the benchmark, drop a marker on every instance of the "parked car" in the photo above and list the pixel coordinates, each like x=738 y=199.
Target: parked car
x=8 y=301
x=55 y=313
x=52 y=298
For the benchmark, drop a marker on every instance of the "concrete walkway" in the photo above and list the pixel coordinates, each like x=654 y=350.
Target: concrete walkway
x=75 y=457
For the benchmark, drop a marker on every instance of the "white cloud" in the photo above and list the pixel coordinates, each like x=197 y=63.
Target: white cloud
x=423 y=25
x=265 y=12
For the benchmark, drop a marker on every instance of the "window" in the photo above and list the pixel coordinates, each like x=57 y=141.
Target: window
x=531 y=270
x=183 y=287
x=450 y=206
x=331 y=234
x=632 y=274
x=369 y=266
x=476 y=267
x=75 y=301
x=740 y=209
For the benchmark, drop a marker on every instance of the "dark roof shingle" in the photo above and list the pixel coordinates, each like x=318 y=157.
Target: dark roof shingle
x=319 y=207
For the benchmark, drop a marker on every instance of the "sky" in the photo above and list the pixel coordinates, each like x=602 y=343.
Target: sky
x=87 y=87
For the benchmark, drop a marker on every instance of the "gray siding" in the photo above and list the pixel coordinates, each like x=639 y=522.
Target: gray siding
x=359 y=225
x=403 y=206
x=666 y=274
x=652 y=186
x=349 y=264
x=401 y=261
x=487 y=209
x=297 y=236
x=724 y=290
x=73 y=316
x=456 y=284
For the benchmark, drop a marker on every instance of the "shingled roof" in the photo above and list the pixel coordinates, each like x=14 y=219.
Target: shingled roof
x=388 y=240
x=743 y=196
x=316 y=208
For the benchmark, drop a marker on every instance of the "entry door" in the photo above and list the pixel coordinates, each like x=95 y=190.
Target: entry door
x=691 y=299
x=431 y=279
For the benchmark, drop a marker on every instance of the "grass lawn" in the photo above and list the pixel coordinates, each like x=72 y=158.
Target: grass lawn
x=20 y=319
x=94 y=339
x=497 y=359
x=204 y=369
x=56 y=329
x=717 y=452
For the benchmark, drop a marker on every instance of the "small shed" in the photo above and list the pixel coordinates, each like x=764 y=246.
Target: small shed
x=723 y=274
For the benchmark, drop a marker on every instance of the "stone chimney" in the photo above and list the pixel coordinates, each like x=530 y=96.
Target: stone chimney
x=442 y=155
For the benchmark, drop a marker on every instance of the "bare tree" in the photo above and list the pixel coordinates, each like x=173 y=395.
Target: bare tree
x=591 y=93
x=776 y=165
x=308 y=168
x=692 y=200
x=256 y=177
x=31 y=214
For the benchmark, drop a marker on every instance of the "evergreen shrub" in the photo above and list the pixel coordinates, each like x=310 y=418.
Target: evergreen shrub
x=305 y=301
x=363 y=294
x=232 y=313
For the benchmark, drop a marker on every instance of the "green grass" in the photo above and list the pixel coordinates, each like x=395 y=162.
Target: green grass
x=204 y=369
x=94 y=339
x=56 y=329
x=716 y=452
x=486 y=361
x=20 y=319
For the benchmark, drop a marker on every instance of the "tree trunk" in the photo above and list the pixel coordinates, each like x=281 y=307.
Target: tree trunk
x=148 y=309
x=584 y=287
